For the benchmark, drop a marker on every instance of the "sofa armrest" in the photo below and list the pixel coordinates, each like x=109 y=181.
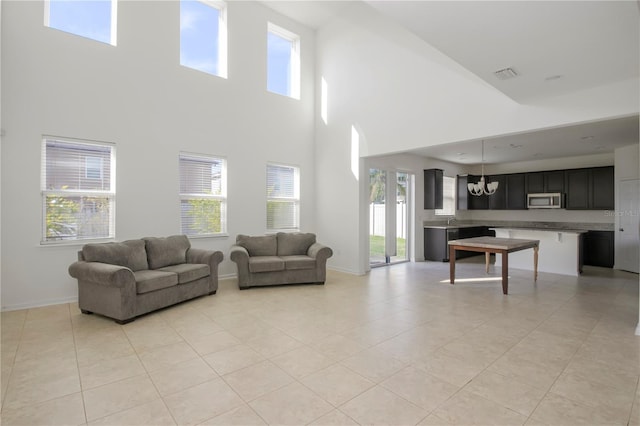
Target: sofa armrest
x=319 y=251
x=239 y=254
x=207 y=257
x=102 y=273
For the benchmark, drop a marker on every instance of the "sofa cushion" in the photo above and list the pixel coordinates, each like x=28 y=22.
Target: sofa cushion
x=188 y=272
x=290 y=244
x=259 y=246
x=149 y=280
x=167 y=251
x=130 y=254
x=265 y=264
x=299 y=262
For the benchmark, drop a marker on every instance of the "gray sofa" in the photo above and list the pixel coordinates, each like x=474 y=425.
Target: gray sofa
x=283 y=258
x=134 y=277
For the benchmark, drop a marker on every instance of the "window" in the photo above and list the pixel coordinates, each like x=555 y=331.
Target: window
x=94 y=19
x=203 y=36
x=78 y=190
x=283 y=198
x=203 y=195
x=283 y=62
x=448 y=197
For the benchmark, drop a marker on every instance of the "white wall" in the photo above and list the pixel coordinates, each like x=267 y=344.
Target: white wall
x=137 y=96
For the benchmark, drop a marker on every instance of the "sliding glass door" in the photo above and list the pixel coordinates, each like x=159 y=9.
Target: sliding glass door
x=388 y=217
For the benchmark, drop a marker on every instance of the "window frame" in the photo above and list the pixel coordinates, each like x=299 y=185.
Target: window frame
x=222 y=197
x=294 y=63
x=222 y=59
x=113 y=36
x=109 y=195
x=295 y=198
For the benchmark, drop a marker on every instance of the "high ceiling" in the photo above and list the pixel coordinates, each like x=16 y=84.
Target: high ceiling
x=556 y=47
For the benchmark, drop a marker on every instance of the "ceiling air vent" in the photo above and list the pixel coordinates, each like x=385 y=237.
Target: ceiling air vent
x=506 y=73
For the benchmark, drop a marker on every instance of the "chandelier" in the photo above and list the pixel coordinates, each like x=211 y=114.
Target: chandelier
x=481 y=188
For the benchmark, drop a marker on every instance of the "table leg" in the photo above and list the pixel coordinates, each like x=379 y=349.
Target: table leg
x=505 y=272
x=452 y=264
x=535 y=263
x=487 y=257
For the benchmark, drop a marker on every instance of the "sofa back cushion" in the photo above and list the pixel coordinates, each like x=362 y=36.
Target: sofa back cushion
x=130 y=254
x=167 y=251
x=291 y=244
x=258 y=246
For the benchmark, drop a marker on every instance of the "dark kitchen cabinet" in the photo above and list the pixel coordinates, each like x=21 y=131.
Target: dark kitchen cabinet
x=462 y=193
x=516 y=191
x=590 y=189
x=577 y=189
x=436 y=241
x=541 y=182
x=498 y=201
x=598 y=248
x=602 y=188
x=554 y=181
x=433 y=179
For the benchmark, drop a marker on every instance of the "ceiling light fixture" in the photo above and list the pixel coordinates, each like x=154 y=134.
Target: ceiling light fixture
x=480 y=188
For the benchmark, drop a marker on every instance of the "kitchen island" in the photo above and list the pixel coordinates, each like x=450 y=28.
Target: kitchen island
x=560 y=249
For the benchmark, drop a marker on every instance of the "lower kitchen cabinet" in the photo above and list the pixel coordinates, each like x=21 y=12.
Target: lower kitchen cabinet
x=598 y=248
x=436 y=241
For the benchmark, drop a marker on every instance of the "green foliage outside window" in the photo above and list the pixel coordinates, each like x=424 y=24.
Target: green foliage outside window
x=61 y=213
x=206 y=216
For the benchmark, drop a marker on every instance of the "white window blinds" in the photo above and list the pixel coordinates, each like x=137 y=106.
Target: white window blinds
x=78 y=190
x=283 y=198
x=203 y=191
x=448 y=197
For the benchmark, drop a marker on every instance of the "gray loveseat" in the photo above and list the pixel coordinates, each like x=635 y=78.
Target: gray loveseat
x=134 y=277
x=284 y=258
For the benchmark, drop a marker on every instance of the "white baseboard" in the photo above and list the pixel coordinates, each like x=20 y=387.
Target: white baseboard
x=39 y=304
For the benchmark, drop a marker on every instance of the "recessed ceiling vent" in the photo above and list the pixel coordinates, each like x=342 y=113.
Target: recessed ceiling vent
x=506 y=74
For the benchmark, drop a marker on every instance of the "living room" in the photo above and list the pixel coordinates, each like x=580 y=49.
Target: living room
x=394 y=91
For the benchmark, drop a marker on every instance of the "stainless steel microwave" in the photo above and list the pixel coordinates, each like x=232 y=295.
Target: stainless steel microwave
x=553 y=200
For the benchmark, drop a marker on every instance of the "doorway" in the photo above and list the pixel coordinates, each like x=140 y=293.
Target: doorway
x=628 y=247
x=389 y=230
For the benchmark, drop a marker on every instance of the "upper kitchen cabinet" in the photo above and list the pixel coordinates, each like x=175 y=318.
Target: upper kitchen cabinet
x=602 y=188
x=549 y=181
x=516 y=191
x=498 y=200
x=590 y=189
x=462 y=193
x=433 y=179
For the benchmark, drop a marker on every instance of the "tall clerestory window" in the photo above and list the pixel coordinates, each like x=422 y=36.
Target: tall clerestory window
x=94 y=19
x=203 y=36
x=283 y=61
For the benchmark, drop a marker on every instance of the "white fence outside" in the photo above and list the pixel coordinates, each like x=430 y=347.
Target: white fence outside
x=377 y=219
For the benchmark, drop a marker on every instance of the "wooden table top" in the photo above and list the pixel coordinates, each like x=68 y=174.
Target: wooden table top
x=508 y=244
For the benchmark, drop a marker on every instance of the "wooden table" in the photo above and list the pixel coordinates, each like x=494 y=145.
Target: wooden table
x=490 y=245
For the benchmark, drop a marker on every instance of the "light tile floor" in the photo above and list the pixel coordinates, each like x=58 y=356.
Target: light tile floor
x=397 y=346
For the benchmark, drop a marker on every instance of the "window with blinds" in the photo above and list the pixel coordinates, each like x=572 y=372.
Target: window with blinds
x=448 y=197
x=203 y=195
x=78 y=190
x=283 y=198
